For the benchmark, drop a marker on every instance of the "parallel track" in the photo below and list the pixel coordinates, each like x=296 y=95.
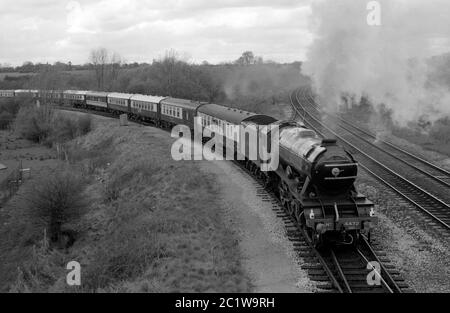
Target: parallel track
x=438 y=174
x=383 y=166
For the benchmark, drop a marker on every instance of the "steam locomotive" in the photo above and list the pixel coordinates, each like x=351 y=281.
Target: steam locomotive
x=315 y=178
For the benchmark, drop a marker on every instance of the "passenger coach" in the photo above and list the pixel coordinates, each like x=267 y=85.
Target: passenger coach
x=119 y=103
x=97 y=100
x=145 y=108
x=178 y=111
x=229 y=120
x=74 y=97
x=7 y=93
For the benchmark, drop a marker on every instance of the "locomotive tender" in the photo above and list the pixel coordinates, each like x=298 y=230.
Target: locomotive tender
x=315 y=177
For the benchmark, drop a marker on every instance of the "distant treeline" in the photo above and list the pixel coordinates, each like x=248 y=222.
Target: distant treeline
x=249 y=82
x=30 y=67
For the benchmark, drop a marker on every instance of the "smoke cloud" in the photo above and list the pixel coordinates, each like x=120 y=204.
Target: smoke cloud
x=387 y=63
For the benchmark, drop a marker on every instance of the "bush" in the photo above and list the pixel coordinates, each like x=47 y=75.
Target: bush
x=34 y=123
x=9 y=105
x=6 y=119
x=42 y=124
x=8 y=111
x=84 y=124
x=440 y=130
x=67 y=128
x=63 y=129
x=55 y=200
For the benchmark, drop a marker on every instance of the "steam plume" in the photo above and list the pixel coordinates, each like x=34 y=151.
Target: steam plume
x=387 y=63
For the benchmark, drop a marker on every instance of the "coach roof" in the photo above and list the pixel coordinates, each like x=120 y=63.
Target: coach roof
x=234 y=116
x=75 y=92
x=188 y=104
x=145 y=98
x=97 y=93
x=119 y=95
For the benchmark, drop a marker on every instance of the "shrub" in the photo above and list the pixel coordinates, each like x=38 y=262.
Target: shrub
x=9 y=105
x=55 y=200
x=84 y=124
x=42 y=124
x=440 y=130
x=5 y=119
x=34 y=123
x=63 y=129
x=66 y=128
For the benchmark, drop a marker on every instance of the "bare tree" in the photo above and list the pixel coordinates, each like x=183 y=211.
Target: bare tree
x=106 y=67
x=168 y=66
x=49 y=81
x=116 y=61
x=99 y=58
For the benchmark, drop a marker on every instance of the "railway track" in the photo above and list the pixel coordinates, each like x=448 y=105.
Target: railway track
x=432 y=171
x=427 y=194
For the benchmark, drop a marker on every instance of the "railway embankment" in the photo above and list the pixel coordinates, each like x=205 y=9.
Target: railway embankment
x=150 y=224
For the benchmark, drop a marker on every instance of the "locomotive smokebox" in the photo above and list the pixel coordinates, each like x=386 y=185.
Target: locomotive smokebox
x=335 y=170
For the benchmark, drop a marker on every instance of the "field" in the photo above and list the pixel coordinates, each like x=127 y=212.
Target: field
x=15 y=151
x=14 y=74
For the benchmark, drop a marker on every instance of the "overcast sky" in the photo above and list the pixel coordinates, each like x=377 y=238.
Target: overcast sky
x=212 y=30
x=141 y=30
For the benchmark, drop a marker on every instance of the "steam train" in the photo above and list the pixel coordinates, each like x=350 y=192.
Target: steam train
x=315 y=178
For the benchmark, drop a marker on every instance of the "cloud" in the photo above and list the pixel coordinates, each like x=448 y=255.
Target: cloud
x=50 y=30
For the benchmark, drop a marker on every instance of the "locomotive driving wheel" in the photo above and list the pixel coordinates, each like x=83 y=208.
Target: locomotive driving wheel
x=266 y=180
x=282 y=193
x=289 y=208
x=286 y=197
x=296 y=210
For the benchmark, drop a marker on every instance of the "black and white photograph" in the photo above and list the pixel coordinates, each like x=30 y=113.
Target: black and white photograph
x=227 y=155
